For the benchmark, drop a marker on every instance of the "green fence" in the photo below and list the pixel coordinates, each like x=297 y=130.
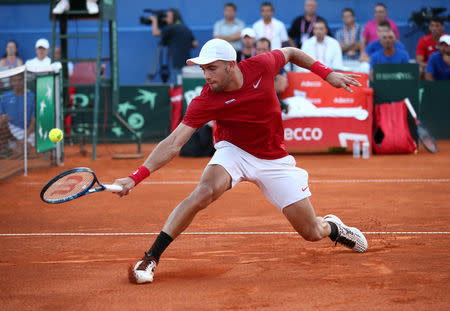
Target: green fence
x=394 y=82
x=434 y=107
x=146 y=108
x=148 y=111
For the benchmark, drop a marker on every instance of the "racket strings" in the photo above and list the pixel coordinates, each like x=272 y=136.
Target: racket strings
x=426 y=139
x=69 y=186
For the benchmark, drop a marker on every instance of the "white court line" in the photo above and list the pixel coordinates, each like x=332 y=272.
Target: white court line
x=210 y=233
x=324 y=181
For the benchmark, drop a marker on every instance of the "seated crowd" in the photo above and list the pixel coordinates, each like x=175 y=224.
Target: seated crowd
x=351 y=47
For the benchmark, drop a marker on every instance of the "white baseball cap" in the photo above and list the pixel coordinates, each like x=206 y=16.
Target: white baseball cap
x=248 y=32
x=42 y=43
x=445 y=38
x=214 y=49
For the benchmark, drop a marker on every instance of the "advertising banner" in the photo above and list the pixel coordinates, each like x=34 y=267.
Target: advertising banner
x=45 y=112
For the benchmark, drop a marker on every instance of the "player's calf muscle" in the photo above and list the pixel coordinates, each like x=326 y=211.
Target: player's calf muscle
x=204 y=195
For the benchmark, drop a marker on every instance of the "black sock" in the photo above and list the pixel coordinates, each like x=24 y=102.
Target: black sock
x=159 y=246
x=334 y=231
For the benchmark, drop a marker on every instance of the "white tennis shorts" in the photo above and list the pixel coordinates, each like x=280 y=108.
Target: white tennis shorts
x=280 y=180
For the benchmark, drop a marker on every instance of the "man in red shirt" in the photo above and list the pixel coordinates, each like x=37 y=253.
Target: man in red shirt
x=242 y=99
x=429 y=43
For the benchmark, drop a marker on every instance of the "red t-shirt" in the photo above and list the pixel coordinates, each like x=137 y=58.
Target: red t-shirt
x=249 y=117
x=426 y=46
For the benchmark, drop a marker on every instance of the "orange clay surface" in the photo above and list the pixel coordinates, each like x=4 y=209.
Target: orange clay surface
x=383 y=196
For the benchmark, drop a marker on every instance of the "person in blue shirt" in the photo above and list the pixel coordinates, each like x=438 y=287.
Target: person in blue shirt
x=389 y=54
x=438 y=66
x=12 y=116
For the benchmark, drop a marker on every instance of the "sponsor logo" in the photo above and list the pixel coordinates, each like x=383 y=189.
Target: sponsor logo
x=304 y=189
x=315 y=100
x=394 y=76
x=230 y=101
x=306 y=134
x=257 y=84
x=176 y=98
x=191 y=94
x=344 y=137
x=311 y=84
x=343 y=100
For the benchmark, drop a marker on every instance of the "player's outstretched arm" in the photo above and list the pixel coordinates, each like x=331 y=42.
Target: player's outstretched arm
x=336 y=79
x=165 y=151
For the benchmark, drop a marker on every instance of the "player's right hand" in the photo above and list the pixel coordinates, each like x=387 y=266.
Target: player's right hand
x=126 y=183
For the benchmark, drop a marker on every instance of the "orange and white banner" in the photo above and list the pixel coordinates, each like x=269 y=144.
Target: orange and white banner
x=327 y=131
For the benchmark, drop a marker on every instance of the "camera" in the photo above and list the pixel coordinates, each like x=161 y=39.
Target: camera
x=421 y=19
x=160 y=15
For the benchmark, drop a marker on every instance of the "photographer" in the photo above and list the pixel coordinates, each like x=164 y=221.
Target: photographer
x=178 y=38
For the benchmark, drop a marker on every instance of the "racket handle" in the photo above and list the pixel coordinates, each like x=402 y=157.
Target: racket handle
x=113 y=188
x=410 y=108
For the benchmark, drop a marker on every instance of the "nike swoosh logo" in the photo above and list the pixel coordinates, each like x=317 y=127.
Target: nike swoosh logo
x=257 y=84
x=304 y=189
x=230 y=101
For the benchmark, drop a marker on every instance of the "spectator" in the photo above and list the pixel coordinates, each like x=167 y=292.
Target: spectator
x=280 y=81
x=64 y=5
x=178 y=38
x=229 y=28
x=248 y=45
x=389 y=54
x=41 y=59
x=270 y=28
x=302 y=27
x=375 y=46
x=323 y=48
x=11 y=58
x=349 y=36
x=57 y=58
x=12 y=116
x=263 y=46
x=370 y=29
x=429 y=43
x=438 y=67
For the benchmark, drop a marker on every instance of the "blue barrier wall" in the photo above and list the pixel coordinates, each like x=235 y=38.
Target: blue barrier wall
x=26 y=23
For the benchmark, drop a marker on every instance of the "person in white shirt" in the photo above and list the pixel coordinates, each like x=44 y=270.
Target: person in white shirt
x=57 y=58
x=42 y=58
x=270 y=28
x=323 y=48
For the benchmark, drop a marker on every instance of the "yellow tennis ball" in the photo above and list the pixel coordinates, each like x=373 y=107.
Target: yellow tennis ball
x=55 y=135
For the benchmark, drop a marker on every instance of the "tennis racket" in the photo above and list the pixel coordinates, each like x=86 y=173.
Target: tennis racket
x=425 y=136
x=73 y=184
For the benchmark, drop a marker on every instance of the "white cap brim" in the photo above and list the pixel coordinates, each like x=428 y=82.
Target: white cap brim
x=201 y=60
x=445 y=39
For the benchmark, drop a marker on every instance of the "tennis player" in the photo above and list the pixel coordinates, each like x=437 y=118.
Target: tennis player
x=242 y=100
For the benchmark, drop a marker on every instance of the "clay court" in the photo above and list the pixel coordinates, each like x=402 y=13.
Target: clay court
x=240 y=253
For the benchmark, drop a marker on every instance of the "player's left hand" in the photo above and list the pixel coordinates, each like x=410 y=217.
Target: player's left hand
x=343 y=80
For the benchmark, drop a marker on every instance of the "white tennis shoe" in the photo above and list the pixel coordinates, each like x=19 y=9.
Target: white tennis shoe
x=348 y=236
x=61 y=7
x=92 y=7
x=143 y=271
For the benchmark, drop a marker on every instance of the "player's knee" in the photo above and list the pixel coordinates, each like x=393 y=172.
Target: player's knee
x=204 y=195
